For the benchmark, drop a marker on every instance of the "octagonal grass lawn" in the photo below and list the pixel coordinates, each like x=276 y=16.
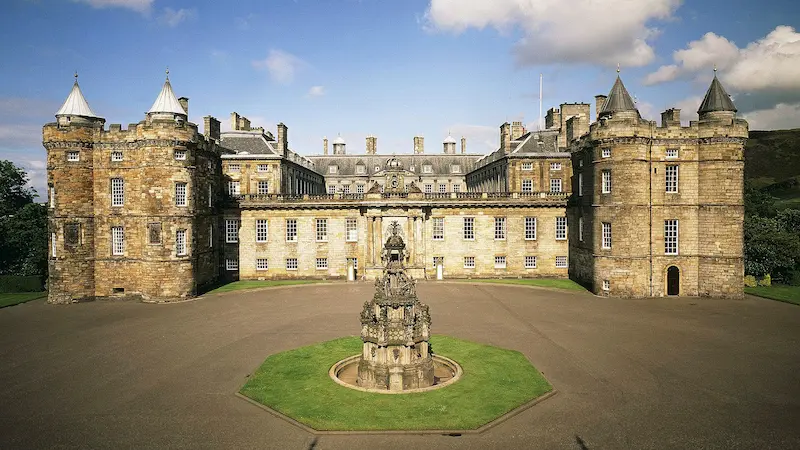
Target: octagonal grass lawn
x=296 y=384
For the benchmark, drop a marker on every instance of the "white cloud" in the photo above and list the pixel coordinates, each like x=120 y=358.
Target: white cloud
x=782 y=117
x=282 y=66
x=172 y=17
x=316 y=91
x=141 y=6
x=16 y=136
x=557 y=31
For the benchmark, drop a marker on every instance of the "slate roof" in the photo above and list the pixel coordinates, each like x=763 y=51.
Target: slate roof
x=346 y=164
x=716 y=99
x=166 y=102
x=75 y=104
x=533 y=144
x=247 y=142
x=618 y=100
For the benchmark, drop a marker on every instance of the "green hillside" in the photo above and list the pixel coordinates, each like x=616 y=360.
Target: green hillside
x=772 y=164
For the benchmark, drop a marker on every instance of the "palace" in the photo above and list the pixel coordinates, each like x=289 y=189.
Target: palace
x=623 y=205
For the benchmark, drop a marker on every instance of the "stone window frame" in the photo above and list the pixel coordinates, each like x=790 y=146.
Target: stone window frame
x=605 y=181
x=73 y=155
x=672 y=153
x=210 y=195
x=351 y=229
x=333 y=169
x=354 y=260
x=561 y=262
x=72 y=234
x=359 y=188
x=234 y=167
x=291 y=264
x=232 y=231
x=527 y=185
x=427 y=168
x=468 y=231
x=321 y=227
x=442 y=188
x=211 y=235
x=671 y=177
x=606 y=285
x=361 y=169
x=322 y=264
x=580 y=184
x=234 y=188
x=117 y=192
x=500 y=228
x=180 y=154
x=561 y=228
x=152 y=232
x=469 y=262
x=457 y=187
x=428 y=188
x=671 y=236
x=526 y=166
x=262 y=187
x=331 y=189
x=530 y=228
x=118 y=241
x=181 y=194
x=262 y=230
x=500 y=262
x=291 y=230
x=437 y=224
x=117 y=156
x=605 y=152
x=231 y=265
x=53 y=244
x=181 y=246
x=262 y=264
x=345 y=189
x=262 y=168
x=555 y=166
x=556 y=185
x=455 y=168
x=531 y=261
x=605 y=235
x=52 y=196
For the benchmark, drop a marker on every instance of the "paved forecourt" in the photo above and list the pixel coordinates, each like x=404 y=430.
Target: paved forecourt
x=655 y=373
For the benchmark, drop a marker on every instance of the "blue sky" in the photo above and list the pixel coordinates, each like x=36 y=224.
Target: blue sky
x=394 y=69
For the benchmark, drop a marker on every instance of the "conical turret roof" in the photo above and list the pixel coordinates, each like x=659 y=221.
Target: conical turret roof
x=618 y=99
x=166 y=102
x=716 y=99
x=75 y=104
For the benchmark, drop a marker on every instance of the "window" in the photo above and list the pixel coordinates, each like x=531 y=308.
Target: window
x=438 y=228
x=210 y=235
x=530 y=262
x=527 y=185
x=671 y=181
x=154 y=233
x=606 y=181
x=456 y=188
x=291 y=263
x=53 y=244
x=561 y=228
x=331 y=189
x=116 y=156
x=52 y=196
x=580 y=228
x=606 y=152
x=500 y=228
x=322 y=263
x=499 y=262
x=353 y=261
x=234 y=167
x=180 y=155
x=428 y=188
x=210 y=195
x=561 y=262
x=359 y=189
x=117 y=192
x=527 y=166
x=351 y=229
x=555 y=166
x=117 y=241
x=180 y=194
x=606 y=285
x=530 y=228
x=72 y=234
x=291 y=230
x=262 y=264
x=555 y=185
x=180 y=243
x=580 y=162
x=333 y=169
x=360 y=169
x=263 y=187
x=606 y=235
x=455 y=168
x=427 y=168
x=469 y=228
x=672 y=153
x=231 y=231
x=442 y=188
x=671 y=236
x=262 y=168
x=346 y=189
x=322 y=230
x=262 y=230
x=232 y=264
x=234 y=188
x=580 y=184
x=73 y=156
x=469 y=262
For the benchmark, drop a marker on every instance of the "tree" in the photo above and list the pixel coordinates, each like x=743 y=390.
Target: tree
x=13 y=192
x=23 y=225
x=771 y=246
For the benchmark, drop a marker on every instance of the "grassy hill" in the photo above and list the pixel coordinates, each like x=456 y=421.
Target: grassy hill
x=772 y=164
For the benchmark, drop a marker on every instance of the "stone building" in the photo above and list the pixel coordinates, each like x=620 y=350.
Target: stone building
x=158 y=210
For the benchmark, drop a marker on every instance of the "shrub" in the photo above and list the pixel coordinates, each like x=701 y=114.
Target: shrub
x=766 y=281
x=15 y=283
x=750 y=281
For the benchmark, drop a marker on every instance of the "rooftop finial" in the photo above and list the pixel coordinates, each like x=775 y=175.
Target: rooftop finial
x=617 y=67
x=167 y=73
x=715 y=69
x=76 y=76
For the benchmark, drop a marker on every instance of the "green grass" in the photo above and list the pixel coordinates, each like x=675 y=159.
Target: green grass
x=559 y=283
x=788 y=294
x=239 y=285
x=297 y=384
x=19 y=297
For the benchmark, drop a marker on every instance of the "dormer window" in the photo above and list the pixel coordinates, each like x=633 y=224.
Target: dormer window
x=427 y=168
x=333 y=169
x=361 y=169
x=455 y=168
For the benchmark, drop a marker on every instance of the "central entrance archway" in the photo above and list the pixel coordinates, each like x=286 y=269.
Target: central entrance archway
x=673 y=281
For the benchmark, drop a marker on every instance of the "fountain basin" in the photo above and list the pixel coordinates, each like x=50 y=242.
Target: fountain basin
x=445 y=372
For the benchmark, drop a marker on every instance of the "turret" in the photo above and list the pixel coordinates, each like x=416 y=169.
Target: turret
x=717 y=104
x=619 y=103
x=76 y=110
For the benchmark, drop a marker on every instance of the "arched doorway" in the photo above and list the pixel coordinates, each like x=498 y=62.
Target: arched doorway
x=673 y=281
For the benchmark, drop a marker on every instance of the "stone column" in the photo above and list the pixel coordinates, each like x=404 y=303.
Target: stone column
x=410 y=238
x=379 y=237
x=370 y=257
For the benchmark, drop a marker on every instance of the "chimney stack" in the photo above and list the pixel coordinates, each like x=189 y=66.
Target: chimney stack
x=283 y=139
x=211 y=127
x=325 y=146
x=671 y=118
x=184 y=101
x=463 y=145
x=599 y=101
x=517 y=130
x=419 y=145
x=505 y=137
x=372 y=145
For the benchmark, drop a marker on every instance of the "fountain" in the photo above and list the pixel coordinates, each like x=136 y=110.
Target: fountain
x=395 y=329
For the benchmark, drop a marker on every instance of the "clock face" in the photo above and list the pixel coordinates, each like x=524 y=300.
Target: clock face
x=395 y=182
